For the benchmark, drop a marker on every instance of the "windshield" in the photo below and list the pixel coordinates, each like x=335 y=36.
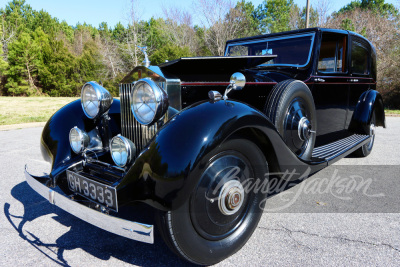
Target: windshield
x=291 y=50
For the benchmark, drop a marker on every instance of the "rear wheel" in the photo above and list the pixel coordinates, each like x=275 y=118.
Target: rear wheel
x=220 y=216
x=291 y=108
x=366 y=149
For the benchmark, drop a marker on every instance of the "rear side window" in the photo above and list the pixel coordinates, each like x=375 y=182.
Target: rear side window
x=359 y=58
x=332 y=56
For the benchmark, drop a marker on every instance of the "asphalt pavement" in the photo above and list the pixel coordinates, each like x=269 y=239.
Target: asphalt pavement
x=347 y=214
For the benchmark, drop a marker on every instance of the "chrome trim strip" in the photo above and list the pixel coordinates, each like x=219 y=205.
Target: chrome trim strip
x=132 y=230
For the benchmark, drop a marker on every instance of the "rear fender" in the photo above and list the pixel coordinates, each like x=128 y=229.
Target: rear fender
x=369 y=102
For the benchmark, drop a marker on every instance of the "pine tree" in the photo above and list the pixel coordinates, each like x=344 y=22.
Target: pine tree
x=24 y=58
x=3 y=63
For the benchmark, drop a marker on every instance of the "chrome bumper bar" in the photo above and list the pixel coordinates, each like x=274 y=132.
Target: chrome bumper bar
x=132 y=230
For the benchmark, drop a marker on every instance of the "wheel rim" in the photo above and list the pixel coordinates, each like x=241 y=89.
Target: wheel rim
x=297 y=126
x=220 y=204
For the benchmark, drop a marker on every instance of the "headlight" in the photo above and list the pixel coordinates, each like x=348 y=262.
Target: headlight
x=95 y=100
x=78 y=139
x=148 y=101
x=122 y=150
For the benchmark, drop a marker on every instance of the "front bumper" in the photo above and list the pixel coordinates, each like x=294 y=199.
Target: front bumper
x=132 y=230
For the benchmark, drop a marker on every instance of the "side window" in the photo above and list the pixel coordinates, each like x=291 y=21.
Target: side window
x=239 y=50
x=332 y=56
x=359 y=58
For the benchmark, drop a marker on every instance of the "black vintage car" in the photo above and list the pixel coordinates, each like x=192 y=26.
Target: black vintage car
x=187 y=134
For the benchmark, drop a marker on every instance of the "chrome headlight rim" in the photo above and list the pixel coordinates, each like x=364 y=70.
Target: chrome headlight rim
x=161 y=101
x=83 y=138
x=103 y=97
x=129 y=147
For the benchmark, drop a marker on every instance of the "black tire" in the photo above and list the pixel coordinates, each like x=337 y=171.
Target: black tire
x=366 y=149
x=289 y=105
x=198 y=231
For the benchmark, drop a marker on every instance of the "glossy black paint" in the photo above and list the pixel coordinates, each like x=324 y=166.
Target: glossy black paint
x=213 y=64
x=164 y=176
x=55 y=145
x=259 y=84
x=369 y=102
x=169 y=168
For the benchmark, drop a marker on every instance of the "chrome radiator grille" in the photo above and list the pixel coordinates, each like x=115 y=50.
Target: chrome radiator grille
x=131 y=128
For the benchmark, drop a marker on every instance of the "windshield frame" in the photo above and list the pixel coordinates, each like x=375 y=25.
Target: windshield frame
x=275 y=38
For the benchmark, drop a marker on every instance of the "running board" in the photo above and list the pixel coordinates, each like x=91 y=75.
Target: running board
x=342 y=147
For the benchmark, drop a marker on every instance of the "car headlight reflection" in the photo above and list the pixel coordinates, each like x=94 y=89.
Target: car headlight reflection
x=148 y=101
x=78 y=139
x=122 y=150
x=95 y=100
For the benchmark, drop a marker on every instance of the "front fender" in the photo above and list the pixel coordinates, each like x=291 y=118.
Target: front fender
x=369 y=102
x=167 y=171
x=55 y=145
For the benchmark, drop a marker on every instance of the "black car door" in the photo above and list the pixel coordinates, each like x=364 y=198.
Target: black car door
x=360 y=69
x=331 y=87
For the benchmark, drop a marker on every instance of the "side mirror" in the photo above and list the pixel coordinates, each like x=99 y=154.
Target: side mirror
x=238 y=81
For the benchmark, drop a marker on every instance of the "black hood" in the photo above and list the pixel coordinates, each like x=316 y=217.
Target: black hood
x=211 y=68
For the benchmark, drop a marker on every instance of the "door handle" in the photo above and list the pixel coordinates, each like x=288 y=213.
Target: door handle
x=319 y=80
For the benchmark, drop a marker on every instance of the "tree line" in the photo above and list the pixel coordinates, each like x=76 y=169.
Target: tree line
x=40 y=55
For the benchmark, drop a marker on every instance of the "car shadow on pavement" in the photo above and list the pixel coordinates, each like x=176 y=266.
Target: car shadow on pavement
x=81 y=235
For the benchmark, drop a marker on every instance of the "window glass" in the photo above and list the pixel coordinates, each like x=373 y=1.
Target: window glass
x=291 y=50
x=359 y=58
x=332 y=54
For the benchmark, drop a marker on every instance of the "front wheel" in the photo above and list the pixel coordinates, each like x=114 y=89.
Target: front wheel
x=221 y=213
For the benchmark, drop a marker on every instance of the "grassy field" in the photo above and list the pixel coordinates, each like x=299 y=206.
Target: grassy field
x=14 y=110
x=392 y=112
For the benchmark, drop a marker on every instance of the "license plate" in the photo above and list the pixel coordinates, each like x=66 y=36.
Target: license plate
x=100 y=193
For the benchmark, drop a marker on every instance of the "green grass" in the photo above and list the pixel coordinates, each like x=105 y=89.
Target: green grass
x=14 y=110
x=392 y=111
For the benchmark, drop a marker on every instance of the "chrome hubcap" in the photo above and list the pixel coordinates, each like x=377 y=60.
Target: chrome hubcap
x=304 y=129
x=298 y=126
x=219 y=204
x=230 y=199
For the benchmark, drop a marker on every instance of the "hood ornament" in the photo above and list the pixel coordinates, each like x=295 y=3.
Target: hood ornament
x=146 y=61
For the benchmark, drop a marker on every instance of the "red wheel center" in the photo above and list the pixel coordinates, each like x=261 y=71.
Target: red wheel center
x=233 y=199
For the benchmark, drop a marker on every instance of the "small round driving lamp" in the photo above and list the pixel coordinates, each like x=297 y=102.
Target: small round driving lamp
x=95 y=100
x=122 y=150
x=78 y=139
x=148 y=101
